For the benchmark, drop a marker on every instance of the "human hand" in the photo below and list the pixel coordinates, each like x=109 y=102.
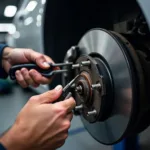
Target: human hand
x=41 y=125
x=24 y=77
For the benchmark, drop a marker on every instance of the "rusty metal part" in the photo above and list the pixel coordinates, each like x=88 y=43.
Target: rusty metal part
x=91 y=90
x=79 y=89
x=84 y=81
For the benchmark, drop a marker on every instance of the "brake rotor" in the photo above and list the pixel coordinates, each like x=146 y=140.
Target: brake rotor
x=110 y=91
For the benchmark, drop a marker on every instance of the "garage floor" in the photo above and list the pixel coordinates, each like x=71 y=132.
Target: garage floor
x=79 y=138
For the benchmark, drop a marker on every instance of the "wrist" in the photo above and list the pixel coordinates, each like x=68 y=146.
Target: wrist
x=12 y=140
x=5 y=55
x=6 y=52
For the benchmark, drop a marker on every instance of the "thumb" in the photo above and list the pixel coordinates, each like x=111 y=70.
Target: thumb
x=50 y=96
x=40 y=59
x=42 y=62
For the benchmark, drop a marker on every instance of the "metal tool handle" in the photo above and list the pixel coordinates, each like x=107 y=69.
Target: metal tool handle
x=13 y=69
x=69 y=95
x=63 y=96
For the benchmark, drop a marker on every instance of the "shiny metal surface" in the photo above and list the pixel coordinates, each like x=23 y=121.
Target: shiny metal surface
x=70 y=83
x=103 y=43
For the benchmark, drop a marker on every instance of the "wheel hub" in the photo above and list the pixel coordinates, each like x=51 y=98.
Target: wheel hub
x=110 y=91
x=91 y=89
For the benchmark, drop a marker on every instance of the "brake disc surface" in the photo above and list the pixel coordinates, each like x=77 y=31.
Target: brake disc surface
x=120 y=92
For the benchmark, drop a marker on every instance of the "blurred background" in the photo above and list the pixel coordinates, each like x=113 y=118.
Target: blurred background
x=8 y=9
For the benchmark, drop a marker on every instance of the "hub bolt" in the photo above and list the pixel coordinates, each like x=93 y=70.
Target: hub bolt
x=96 y=86
x=92 y=113
x=79 y=89
x=85 y=63
x=75 y=66
x=80 y=107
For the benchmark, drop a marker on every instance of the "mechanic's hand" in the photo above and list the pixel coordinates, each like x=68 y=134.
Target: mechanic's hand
x=23 y=76
x=41 y=125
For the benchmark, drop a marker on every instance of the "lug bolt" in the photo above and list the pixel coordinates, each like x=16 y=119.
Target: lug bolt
x=79 y=89
x=85 y=63
x=75 y=66
x=96 y=86
x=80 y=107
x=92 y=113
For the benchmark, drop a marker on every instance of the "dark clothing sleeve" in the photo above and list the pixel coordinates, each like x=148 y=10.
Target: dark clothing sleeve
x=2 y=147
x=3 y=74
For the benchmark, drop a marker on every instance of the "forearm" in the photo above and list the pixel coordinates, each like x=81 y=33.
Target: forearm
x=11 y=140
x=5 y=142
